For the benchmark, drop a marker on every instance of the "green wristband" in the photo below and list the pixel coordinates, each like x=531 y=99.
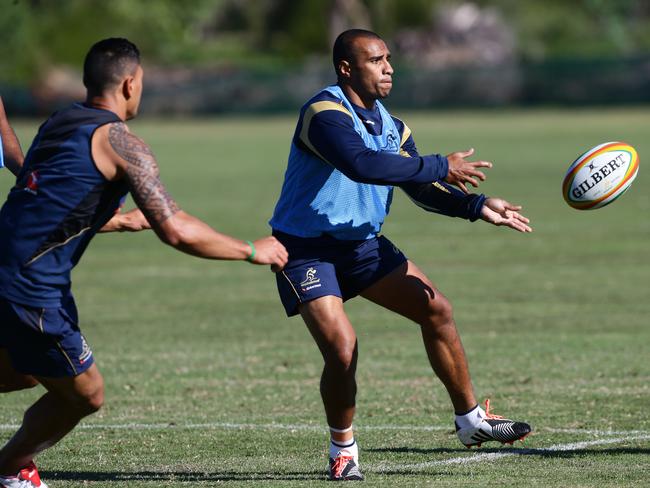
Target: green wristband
x=250 y=258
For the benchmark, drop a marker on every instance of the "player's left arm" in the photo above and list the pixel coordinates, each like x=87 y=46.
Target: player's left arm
x=461 y=172
x=444 y=199
x=441 y=197
x=437 y=196
x=131 y=221
x=131 y=158
x=13 y=153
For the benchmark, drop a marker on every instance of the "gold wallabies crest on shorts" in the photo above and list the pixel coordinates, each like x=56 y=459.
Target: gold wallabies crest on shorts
x=310 y=281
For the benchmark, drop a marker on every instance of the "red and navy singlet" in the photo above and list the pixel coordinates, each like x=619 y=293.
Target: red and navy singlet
x=58 y=204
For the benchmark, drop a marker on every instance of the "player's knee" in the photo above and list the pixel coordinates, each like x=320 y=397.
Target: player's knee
x=89 y=400
x=94 y=398
x=343 y=356
x=439 y=313
x=96 y=401
x=90 y=403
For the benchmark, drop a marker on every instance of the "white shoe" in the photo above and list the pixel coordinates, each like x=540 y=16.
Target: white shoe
x=343 y=468
x=493 y=428
x=26 y=478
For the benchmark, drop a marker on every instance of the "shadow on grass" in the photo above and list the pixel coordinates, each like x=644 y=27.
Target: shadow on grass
x=188 y=476
x=518 y=451
x=416 y=450
x=181 y=476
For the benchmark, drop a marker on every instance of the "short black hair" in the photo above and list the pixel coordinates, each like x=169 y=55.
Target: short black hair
x=108 y=61
x=343 y=46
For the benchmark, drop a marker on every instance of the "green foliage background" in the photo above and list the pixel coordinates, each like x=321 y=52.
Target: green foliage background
x=38 y=33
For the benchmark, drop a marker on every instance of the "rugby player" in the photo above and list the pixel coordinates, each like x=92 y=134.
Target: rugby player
x=77 y=172
x=346 y=155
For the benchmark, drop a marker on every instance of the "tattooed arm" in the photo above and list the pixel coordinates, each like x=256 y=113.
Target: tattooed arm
x=137 y=164
x=13 y=154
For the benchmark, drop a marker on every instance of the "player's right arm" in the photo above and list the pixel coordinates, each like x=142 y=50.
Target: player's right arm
x=438 y=196
x=443 y=198
x=13 y=154
x=120 y=154
x=328 y=131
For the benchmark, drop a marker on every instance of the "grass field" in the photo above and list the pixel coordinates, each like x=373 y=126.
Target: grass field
x=207 y=381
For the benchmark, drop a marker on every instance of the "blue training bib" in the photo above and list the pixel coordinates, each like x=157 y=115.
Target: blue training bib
x=317 y=199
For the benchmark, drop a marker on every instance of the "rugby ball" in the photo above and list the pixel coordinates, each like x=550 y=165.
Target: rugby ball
x=600 y=176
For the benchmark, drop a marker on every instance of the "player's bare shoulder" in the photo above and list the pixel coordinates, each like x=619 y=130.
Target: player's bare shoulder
x=114 y=147
x=107 y=160
x=136 y=162
x=129 y=147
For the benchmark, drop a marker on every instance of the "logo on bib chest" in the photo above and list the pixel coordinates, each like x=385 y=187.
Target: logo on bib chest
x=391 y=144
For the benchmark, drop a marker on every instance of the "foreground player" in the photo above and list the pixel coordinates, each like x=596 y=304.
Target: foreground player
x=346 y=153
x=79 y=168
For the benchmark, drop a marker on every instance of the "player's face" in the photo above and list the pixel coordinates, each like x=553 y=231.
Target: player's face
x=371 y=74
x=133 y=103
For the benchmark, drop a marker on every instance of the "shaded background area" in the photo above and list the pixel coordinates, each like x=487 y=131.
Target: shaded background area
x=215 y=56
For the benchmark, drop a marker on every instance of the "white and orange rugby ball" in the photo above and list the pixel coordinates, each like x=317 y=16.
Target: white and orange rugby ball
x=600 y=176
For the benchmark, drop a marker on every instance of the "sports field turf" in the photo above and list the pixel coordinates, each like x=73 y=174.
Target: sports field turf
x=207 y=382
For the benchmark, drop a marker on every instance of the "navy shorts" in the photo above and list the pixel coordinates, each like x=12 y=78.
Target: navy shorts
x=321 y=266
x=44 y=341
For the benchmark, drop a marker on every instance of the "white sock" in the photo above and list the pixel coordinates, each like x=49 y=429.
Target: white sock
x=348 y=448
x=471 y=418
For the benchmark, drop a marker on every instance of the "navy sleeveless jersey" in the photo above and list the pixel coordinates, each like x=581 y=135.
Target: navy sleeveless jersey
x=58 y=204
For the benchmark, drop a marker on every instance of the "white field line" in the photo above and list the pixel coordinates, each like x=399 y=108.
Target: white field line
x=312 y=428
x=492 y=456
x=596 y=432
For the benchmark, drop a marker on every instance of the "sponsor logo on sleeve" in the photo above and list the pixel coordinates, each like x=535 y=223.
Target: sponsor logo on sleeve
x=86 y=353
x=32 y=183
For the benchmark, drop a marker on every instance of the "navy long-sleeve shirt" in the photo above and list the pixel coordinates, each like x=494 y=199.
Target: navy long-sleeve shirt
x=331 y=136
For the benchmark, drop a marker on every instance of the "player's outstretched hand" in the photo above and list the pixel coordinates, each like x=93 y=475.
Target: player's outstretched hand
x=499 y=212
x=270 y=251
x=133 y=221
x=462 y=172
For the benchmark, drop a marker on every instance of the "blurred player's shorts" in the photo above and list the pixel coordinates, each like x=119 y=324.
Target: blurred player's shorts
x=44 y=341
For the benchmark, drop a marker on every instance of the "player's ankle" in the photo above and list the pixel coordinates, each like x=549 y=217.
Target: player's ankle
x=345 y=448
x=342 y=436
x=471 y=418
